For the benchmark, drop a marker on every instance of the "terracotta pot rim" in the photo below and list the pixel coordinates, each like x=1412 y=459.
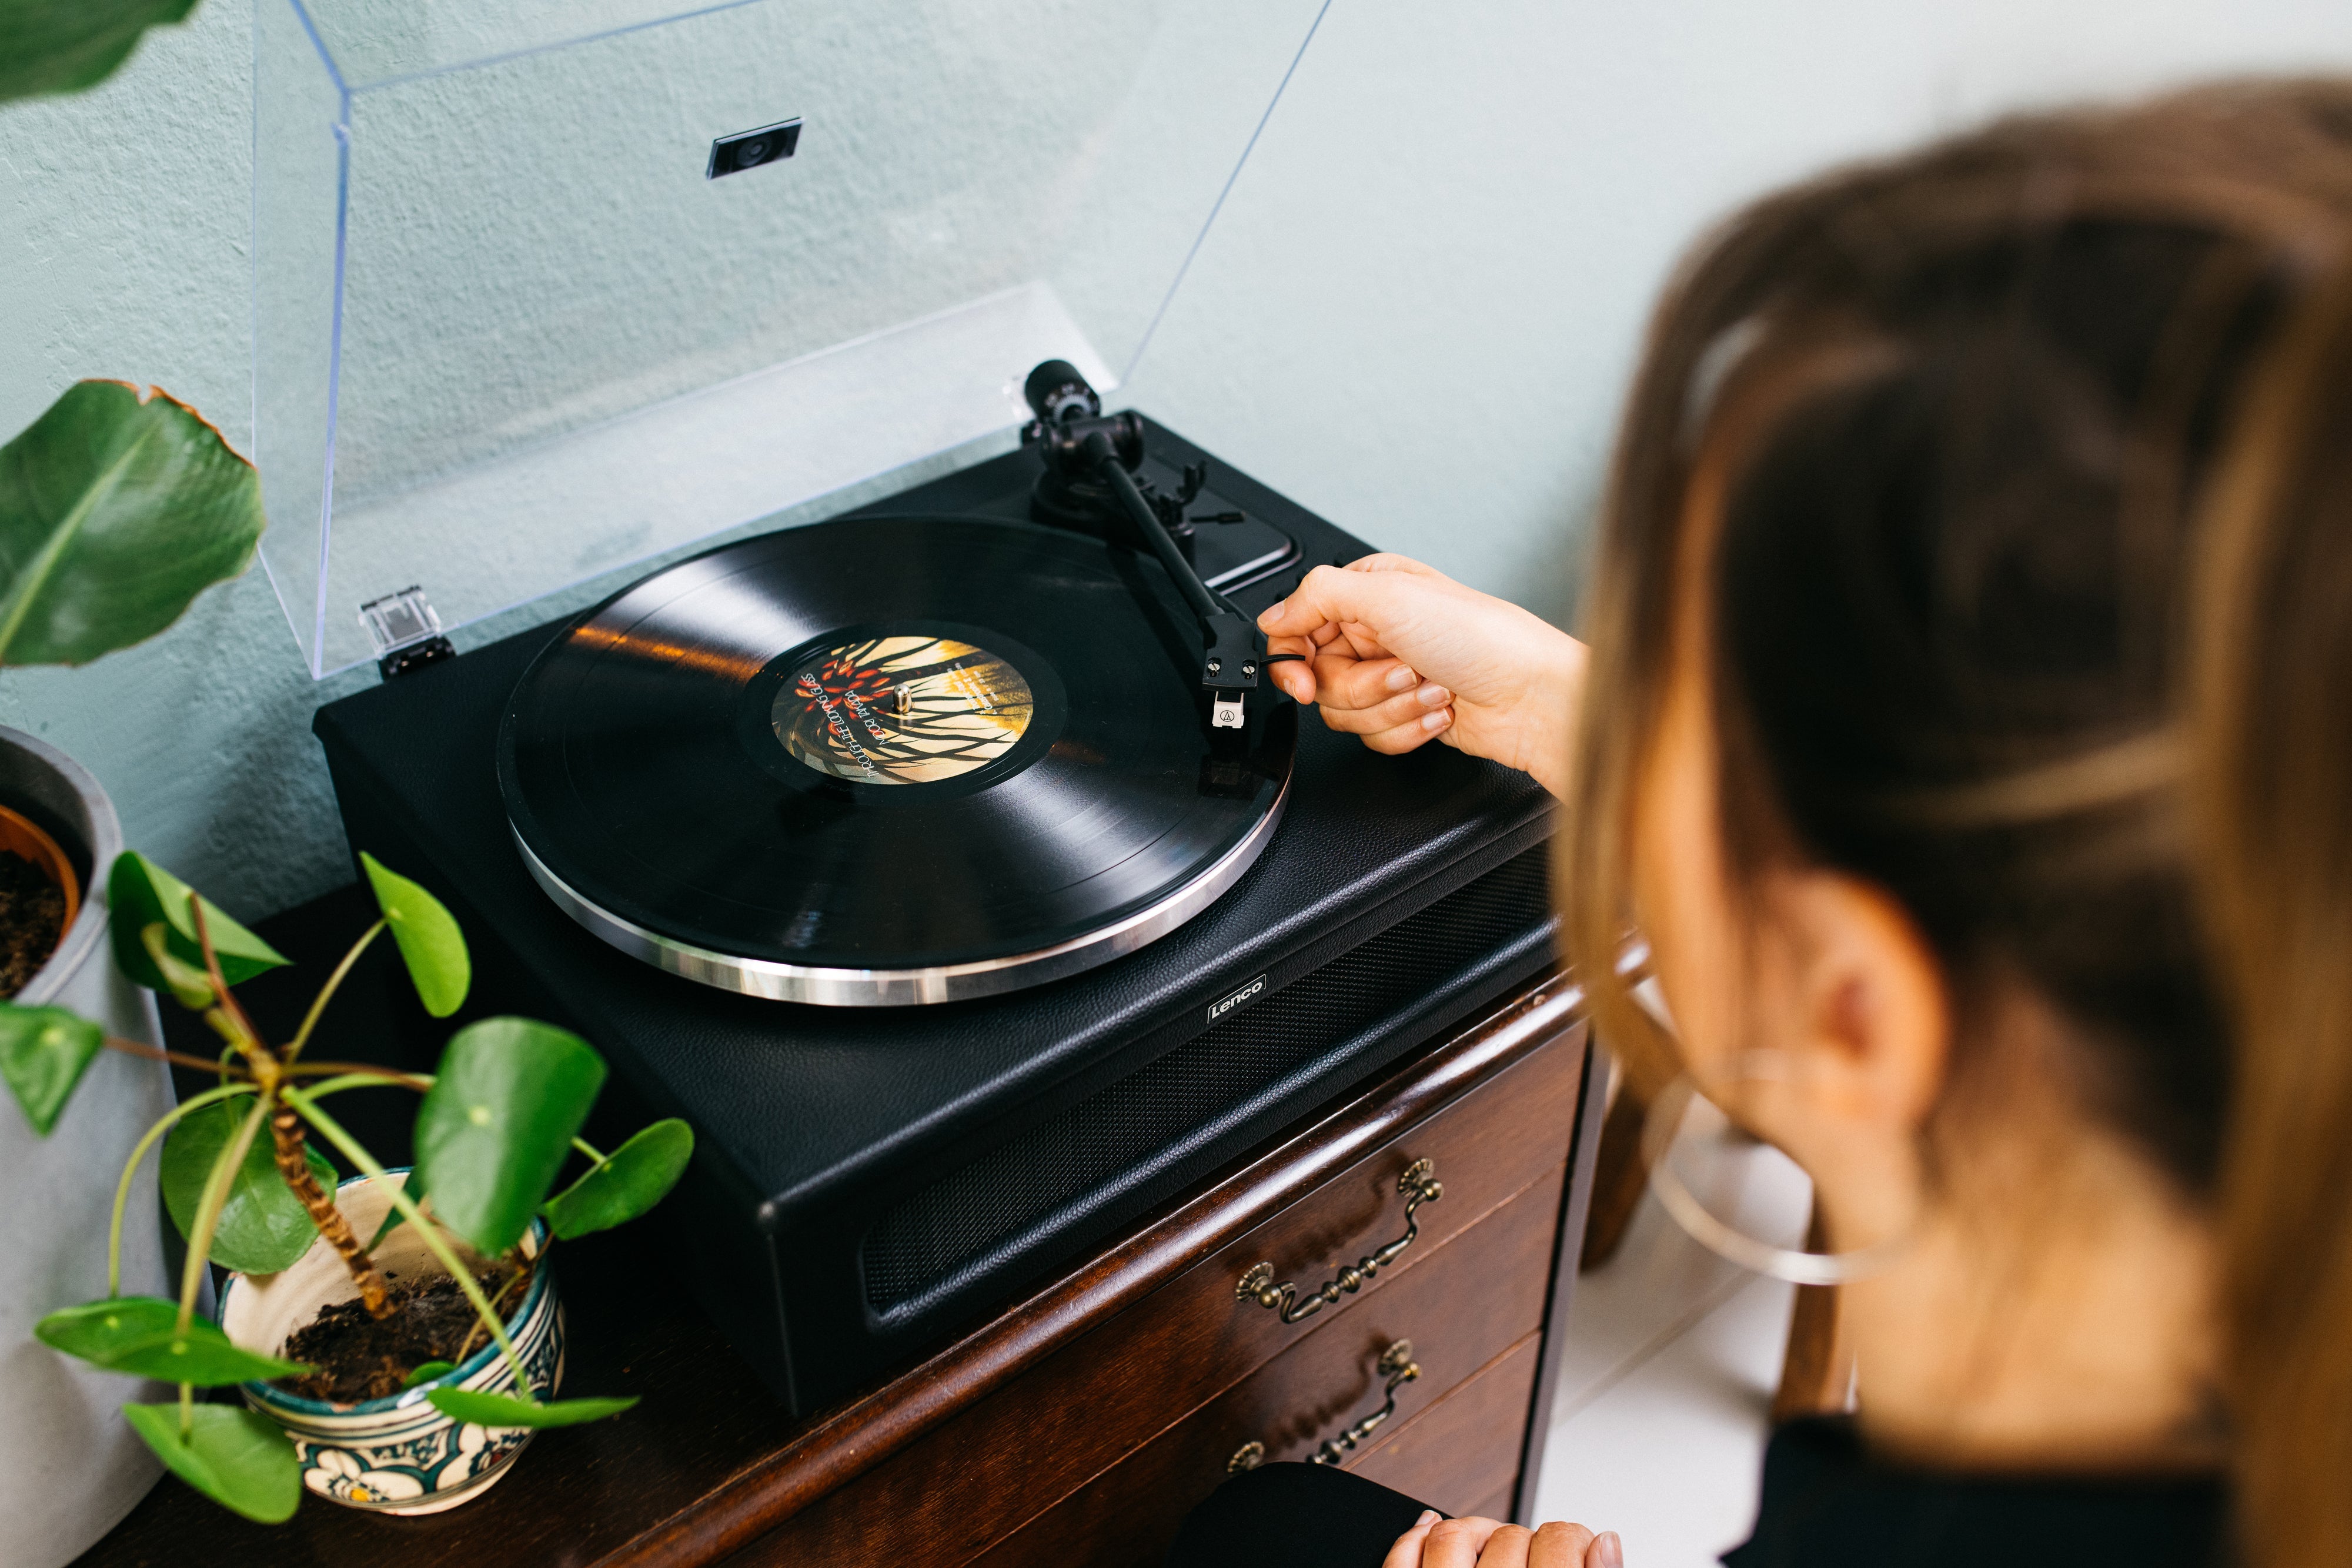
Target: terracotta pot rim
x=19 y=834
x=85 y=934
x=277 y=1399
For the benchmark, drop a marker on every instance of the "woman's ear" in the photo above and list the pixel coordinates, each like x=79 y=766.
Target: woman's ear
x=1868 y=1017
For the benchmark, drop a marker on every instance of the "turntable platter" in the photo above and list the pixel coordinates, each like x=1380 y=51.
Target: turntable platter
x=883 y=760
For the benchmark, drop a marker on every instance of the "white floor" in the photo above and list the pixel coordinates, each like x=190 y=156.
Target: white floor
x=1658 y=1425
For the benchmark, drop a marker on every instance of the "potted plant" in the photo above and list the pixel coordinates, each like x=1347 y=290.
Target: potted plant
x=404 y=1389
x=116 y=508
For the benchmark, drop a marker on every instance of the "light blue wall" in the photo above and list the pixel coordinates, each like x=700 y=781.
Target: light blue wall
x=1415 y=315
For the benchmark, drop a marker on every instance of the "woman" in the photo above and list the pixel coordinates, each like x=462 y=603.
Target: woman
x=1872 y=751
x=2270 y=743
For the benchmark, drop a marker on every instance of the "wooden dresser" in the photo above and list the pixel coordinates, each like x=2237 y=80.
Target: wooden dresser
x=1079 y=1427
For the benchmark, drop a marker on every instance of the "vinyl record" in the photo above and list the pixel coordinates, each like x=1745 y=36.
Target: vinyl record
x=885 y=760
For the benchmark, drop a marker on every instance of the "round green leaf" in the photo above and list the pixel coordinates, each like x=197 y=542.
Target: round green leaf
x=631 y=1180
x=497 y=1410
x=141 y=1335
x=138 y=894
x=494 y=1129
x=62 y=46
x=240 y=1458
x=430 y=943
x=262 y=1226
x=116 y=509
x=44 y=1051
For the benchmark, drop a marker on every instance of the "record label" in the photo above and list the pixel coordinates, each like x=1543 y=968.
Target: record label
x=901 y=710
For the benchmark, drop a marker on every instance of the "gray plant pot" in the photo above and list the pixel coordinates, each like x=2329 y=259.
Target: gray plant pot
x=71 y=1466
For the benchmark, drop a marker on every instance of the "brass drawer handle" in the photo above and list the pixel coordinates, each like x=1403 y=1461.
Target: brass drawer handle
x=1396 y=1363
x=1418 y=1184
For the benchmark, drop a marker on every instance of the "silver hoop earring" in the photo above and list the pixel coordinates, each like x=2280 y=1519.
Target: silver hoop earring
x=1661 y=1129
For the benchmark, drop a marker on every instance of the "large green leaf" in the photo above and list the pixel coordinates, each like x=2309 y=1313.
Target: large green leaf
x=262 y=1226
x=430 y=943
x=115 y=511
x=141 y=1335
x=63 y=46
x=44 y=1051
x=495 y=1127
x=240 y=1458
x=497 y=1410
x=138 y=894
x=630 y=1180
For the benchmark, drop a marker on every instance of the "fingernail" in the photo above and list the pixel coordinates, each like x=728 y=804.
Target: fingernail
x=1434 y=695
x=1436 y=721
x=1613 y=1550
x=1428 y=1516
x=1401 y=678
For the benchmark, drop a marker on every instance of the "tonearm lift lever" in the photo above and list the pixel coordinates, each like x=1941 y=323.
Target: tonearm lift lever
x=1074 y=437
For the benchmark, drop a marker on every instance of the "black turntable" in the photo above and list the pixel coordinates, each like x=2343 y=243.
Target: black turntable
x=985 y=892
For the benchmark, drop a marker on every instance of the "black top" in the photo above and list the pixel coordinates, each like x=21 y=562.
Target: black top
x=1827 y=1503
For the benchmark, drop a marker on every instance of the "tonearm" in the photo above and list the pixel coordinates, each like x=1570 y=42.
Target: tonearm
x=1075 y=438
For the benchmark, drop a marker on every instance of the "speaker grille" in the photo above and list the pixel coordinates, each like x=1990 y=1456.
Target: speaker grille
x=980 y=1209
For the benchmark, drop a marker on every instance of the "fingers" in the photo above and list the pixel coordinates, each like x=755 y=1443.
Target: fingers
x=1411 y=736
x=1330 y=596
x=1411 y=707
x=1383 y=561
x=1457 y=1542
x=1558 y=1545
x=1606 y=1551
x=1294 y=679
x=1406 y=1552
x=1363 y=683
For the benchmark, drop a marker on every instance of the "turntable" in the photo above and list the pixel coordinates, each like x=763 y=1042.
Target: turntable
x=939 y=848
x=1299 y=914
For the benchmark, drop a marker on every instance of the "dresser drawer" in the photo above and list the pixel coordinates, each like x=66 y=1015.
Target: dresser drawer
x=975 y=1479
x=1464 y=1310
x=1460 y=1452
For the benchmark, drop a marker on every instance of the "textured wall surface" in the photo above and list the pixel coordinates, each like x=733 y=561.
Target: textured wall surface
x=1416 y=314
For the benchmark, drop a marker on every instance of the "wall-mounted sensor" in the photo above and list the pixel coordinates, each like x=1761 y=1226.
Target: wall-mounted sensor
x=750 y=149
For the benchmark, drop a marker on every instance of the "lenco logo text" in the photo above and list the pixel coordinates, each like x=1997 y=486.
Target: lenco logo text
x=1250 y=992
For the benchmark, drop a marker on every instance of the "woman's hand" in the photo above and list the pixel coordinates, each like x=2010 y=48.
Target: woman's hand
x=1435 y=1542
x=1402 y=654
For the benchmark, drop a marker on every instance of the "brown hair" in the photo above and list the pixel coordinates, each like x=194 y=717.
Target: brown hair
x=1952 y=415
x=1933 y=390
x=2271 y=793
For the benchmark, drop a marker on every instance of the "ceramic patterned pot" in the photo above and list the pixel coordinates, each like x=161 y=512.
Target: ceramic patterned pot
x=396 y=1455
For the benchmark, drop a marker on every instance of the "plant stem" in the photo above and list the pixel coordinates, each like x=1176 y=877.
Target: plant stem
x=368 y=1078
x=354 y=1152
x=208 y=1210
x=419 y=1081
x=137 y=1048
x=131 y=1167
x=187 y=1411
x=586 y=1147
x=326 y=992
x=294 y=1169
x=229 y=1005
